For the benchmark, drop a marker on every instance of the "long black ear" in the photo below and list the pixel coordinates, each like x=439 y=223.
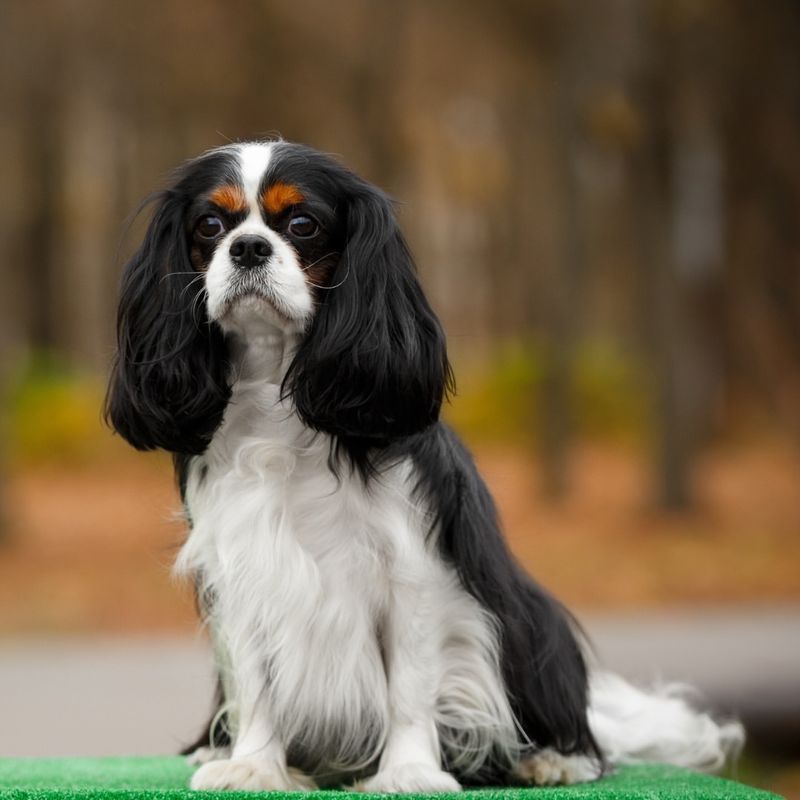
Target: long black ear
x=374 y=364
x=168 y=385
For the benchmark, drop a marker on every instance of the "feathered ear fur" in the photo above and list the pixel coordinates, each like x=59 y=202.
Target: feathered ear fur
x=374 y=366
x=168 y=386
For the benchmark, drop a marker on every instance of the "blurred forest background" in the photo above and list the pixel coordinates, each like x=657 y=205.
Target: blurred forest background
x=604 y=201
x=603 y=198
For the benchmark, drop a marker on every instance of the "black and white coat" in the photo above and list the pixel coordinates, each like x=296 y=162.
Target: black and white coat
x=369 y=622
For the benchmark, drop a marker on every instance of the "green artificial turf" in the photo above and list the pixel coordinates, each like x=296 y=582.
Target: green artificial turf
x=166 y=778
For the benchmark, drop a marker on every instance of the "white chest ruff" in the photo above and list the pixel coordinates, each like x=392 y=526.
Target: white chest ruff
x=298 y=565
x=302 y=570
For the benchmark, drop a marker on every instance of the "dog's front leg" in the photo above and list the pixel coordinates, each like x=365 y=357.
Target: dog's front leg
x=258 y=759
x=411 y=759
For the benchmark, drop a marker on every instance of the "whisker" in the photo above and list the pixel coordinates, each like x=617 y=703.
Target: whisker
x=190 y=284
x=170 y=274
x=201 y=296
x=336 y=285
x=321 y=258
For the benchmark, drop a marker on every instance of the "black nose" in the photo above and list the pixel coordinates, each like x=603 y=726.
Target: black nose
x=250 y=251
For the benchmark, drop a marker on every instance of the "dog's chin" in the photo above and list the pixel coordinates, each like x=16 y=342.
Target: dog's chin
x=254 y=309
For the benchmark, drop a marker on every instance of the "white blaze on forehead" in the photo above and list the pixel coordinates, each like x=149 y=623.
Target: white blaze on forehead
x=254 y=159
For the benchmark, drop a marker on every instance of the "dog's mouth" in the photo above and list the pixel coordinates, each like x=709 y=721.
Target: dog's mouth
x=255 y=303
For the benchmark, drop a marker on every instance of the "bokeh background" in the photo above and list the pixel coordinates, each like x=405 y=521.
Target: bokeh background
x=604 y=202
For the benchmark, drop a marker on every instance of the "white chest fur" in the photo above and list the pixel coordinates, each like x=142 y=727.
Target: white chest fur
x=300 y=565
x=331 y=610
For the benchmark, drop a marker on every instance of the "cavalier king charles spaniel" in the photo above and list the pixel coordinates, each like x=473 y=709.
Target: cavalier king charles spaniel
x=369 y=623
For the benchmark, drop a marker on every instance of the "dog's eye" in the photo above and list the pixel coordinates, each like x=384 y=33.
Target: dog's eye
x=303 y=227
x=210 y=228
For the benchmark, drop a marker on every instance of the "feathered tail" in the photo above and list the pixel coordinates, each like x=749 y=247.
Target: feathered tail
x=633 y=726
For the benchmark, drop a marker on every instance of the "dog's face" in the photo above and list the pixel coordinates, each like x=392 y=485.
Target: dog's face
x=266 y=235
x=281 y=235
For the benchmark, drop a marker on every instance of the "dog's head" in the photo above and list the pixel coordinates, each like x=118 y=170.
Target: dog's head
x=262 y=239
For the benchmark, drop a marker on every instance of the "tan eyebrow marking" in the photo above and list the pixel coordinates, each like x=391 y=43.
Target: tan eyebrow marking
x=230 y=198
x=280 y=196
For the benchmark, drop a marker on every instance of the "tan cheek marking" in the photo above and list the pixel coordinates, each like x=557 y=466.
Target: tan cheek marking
x=280 y=196
x=229 y=198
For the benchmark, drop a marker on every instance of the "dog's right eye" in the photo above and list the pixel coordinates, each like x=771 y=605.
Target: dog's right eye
x=210 y=228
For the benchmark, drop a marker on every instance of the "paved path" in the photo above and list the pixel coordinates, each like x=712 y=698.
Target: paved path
x=140 y=696
x=748 y=660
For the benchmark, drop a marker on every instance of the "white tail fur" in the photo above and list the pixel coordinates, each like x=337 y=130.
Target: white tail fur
x=633 y=726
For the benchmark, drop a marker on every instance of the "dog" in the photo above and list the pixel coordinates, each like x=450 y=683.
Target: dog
x=369 y=622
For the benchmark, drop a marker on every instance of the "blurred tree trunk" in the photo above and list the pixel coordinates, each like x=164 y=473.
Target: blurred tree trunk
x=676 y=176
x=544 y=238
x=661 y=305
x=650 y=181
x=85 y=253
x=42 y=302
x=566 y=281
x=557 y=413
x=760 y=133
x=375 y=85
x=13 y=209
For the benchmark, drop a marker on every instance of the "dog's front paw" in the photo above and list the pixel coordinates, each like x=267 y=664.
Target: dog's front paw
x=407 y=778
x=249 y=775
x=549 y=767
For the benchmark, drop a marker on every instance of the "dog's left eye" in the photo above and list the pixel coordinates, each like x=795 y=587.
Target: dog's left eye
x=210 y=228
x=303 y=227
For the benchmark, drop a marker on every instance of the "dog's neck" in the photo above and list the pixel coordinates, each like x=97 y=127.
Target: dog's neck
x=260 y=342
